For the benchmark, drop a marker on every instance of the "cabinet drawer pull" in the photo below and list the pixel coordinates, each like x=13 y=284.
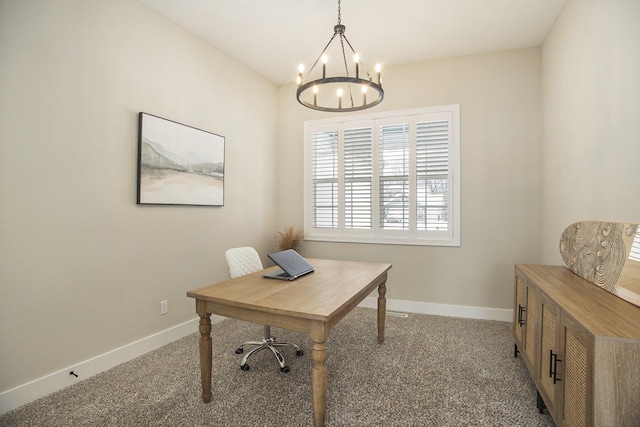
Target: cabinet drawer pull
x=521 y=312
x=553 y=366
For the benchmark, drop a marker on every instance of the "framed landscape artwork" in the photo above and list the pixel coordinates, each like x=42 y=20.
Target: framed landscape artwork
x=178 y=164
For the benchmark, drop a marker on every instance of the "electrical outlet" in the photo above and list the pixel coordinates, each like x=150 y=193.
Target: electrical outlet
x=164 y=307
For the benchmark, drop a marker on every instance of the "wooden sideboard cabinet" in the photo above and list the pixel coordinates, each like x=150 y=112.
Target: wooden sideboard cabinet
x=581 y=345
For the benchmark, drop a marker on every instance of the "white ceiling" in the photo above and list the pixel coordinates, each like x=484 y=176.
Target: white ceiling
x=273 y=37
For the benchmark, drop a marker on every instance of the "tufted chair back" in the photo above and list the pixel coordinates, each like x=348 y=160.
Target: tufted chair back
x=242 y=261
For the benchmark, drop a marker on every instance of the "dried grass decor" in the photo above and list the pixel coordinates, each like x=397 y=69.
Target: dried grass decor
x=289 y=238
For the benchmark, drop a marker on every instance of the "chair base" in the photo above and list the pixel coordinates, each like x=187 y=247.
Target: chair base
x=270 y=343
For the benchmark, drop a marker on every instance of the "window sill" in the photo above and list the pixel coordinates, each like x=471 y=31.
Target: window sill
x=384 y=240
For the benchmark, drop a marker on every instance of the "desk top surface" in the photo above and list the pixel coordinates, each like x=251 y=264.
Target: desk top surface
x=318 y=295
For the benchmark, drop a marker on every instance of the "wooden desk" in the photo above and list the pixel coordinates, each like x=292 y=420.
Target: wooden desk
x=313 y=304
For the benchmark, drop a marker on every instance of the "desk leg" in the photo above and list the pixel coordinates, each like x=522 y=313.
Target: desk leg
x=319 y=382
x=382 y=310
x=205 y=355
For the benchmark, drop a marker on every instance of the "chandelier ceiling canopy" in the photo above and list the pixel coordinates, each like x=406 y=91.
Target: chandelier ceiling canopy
x=344 y=91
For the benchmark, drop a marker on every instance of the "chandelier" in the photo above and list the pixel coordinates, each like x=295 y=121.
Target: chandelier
x=343 y=92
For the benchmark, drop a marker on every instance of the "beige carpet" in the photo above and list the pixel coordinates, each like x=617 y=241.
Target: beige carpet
x=431 y=371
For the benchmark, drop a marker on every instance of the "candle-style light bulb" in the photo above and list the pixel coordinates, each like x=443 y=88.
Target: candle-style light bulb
x=378 y=69
x=315 y=95
x=339 y=98
x=356 y=59
x=364 y=94
x=300 y=71
x=325 y=59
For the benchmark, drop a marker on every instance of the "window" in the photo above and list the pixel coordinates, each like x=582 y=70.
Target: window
x=384 y=178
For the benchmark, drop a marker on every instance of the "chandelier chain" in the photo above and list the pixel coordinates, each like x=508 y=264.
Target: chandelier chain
x=339 y=15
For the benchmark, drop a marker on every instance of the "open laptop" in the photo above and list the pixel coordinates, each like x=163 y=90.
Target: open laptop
x=291 y=263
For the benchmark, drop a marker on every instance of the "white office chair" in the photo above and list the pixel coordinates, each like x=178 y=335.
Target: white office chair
x=245 y=260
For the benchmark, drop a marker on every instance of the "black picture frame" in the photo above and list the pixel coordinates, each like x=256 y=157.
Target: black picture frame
x=178 y=164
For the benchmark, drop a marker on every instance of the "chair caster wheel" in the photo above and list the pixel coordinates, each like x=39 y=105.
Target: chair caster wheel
x=239 y=350
x=244 y=367
x=299 y=352
x=284 y=370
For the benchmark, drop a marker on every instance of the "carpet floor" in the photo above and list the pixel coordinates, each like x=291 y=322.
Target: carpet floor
x=431 y=371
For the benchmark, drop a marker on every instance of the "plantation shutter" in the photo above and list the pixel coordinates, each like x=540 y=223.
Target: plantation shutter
x=432 y=169
x=394 y=176
x=325 y=179
x=358 y=178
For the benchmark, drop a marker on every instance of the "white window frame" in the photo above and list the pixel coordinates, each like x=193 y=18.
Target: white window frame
x=376 y=235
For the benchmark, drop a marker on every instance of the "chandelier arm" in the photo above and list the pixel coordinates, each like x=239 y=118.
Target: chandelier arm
x=346 y=67
x=366 y=70
x=321 y=53
x=344 y=60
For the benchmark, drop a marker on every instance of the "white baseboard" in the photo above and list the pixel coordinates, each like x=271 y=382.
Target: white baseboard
x=443 y=309
x=55 y=381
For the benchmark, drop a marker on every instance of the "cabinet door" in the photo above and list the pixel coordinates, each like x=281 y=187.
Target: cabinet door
x=531 y=299
x=524 y=317
x=548 y=356
x=518 y=311
x=576 y=372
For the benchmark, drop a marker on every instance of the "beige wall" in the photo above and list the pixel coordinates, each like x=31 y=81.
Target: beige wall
x=82 y=268
x=591 y=104
x=499 y=97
